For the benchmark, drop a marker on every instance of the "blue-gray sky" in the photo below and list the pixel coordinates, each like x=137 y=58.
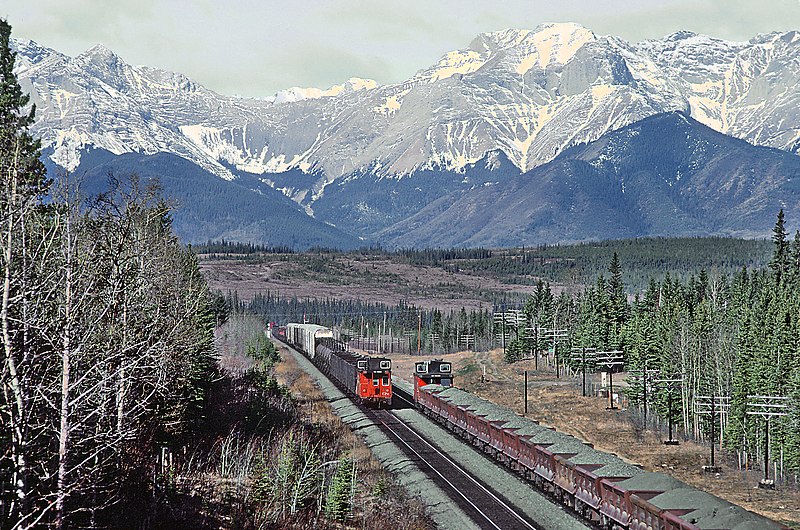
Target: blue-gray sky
x=257 y=47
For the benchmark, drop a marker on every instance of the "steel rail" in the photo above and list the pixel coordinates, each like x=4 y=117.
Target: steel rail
x=472 y=479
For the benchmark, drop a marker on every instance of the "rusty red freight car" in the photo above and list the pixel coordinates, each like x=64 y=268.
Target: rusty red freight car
x=599 y=486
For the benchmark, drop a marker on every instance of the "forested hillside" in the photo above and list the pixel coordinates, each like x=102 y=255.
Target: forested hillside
x=731 y=336
x=206 y=206
x=644 y=258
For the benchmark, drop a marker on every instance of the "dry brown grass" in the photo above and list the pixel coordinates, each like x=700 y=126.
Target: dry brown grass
x=559 y=403
x=392 y=509
x=371 y=279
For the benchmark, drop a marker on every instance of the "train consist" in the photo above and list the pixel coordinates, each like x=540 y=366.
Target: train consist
x=367 y=378
x=599 y=486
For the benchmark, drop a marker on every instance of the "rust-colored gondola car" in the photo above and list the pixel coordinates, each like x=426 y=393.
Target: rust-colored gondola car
x=598 y=486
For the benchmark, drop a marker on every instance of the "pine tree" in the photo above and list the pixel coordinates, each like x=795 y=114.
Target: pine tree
x=338 y=503
x=780 y=257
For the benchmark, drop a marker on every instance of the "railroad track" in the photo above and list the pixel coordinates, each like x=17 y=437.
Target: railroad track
x=486 y=508
x=483 y=506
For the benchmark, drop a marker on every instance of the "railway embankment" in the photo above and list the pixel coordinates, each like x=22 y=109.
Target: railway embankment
x=442 y=501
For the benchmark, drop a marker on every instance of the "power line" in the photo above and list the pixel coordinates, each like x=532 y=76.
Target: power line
x=767 y=407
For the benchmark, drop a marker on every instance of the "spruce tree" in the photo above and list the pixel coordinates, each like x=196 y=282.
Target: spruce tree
x=338 y=503
x=19 y=150
x=617 y=299
x=794 y=260
x=780 y=257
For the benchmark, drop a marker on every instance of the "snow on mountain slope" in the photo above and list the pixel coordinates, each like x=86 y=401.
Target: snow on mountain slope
x=96 y=99
x=290 y=95
x=530 y=94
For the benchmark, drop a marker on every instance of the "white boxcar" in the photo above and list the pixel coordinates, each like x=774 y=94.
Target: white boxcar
x=305 y=336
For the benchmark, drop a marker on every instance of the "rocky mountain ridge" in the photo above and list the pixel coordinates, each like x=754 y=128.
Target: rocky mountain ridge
x=529 y=94
x=666 y=175
x=494 y=124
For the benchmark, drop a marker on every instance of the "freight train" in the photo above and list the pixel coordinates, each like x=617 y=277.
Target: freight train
x=599 y=486
x=367 y=378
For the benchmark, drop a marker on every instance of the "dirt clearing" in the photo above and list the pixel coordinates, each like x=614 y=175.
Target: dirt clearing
x=370 y=279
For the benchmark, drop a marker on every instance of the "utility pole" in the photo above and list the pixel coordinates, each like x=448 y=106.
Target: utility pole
x=419 y=333
x=500 y=318
x=610 y=360
x=767 y=407
x=526 y=392
x=670 y=383
x=533 y=353
x=503 y=316
x=584 y=357
x=383 y=335
x=645 y=378
x=711 y=406
x=556 y=335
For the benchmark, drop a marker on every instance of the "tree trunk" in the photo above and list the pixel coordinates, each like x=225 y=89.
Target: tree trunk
x=66 y=350
x=18 y=400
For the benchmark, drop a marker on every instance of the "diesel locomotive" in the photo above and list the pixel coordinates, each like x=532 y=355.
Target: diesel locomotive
x=367 y=378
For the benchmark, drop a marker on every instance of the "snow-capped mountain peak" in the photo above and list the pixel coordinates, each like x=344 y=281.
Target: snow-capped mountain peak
x=529 y=94
x=29 y=54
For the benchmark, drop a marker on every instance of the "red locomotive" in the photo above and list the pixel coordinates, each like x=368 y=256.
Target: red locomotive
x=599 y=486
x=435 y=372
x=367 y=378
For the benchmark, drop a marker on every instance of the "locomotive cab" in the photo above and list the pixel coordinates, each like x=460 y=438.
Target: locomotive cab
x=435 y=372
x=375 y=379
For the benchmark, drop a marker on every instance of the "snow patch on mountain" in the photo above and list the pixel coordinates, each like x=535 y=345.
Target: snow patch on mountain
x=294 y=94
x=529 y=94
x=456 y=62
x=553 y=44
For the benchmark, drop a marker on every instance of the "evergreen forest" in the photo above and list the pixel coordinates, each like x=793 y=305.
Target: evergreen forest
x=733 y=338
